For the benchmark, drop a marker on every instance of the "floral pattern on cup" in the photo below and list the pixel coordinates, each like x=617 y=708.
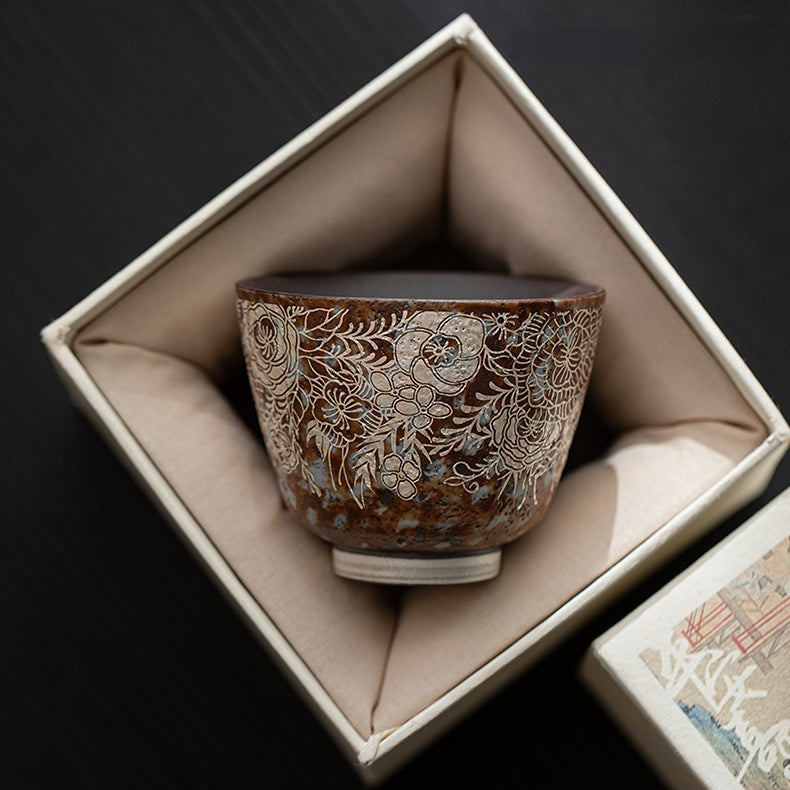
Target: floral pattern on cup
x=440 y=351
x=492 y=397
x=401 y=474
x=277 y=340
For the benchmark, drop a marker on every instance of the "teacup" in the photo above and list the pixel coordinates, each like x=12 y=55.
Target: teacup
x=418 y=421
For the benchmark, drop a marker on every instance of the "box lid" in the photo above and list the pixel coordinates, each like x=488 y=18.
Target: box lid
x=699 y=675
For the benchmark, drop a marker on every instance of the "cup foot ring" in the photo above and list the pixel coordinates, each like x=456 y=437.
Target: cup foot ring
x=384 y=568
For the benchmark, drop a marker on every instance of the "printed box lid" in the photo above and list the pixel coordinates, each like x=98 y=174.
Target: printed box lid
x=706 y=663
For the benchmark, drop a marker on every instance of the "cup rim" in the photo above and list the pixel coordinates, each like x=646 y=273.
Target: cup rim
x=423 y=287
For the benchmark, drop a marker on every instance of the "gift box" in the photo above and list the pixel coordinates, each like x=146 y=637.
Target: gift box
x=699 y=676
x=446 y=147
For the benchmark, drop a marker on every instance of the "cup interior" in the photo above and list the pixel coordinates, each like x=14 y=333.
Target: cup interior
x=435 y=286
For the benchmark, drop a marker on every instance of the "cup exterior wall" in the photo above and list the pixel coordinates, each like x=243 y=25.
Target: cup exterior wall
x=398 y=425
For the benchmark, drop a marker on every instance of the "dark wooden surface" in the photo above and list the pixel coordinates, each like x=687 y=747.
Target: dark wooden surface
x=121 y=665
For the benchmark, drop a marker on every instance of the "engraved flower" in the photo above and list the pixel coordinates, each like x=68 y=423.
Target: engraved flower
x=341 y=417
x=501 y=325
x=274 y=349
x=511 y=343
x=525 y=438
x=441 y=350
x=563 y=360
x=418 y=405
x=282 y=446
x=400 y=473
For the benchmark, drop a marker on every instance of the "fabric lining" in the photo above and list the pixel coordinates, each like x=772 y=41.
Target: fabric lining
x=446 y=157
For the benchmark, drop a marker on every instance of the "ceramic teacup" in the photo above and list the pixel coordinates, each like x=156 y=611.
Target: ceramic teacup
x=418 y=421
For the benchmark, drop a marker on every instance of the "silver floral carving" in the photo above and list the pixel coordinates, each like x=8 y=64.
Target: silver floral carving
x=387 y=402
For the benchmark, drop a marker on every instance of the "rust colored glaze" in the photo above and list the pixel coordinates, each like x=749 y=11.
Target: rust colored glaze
x=405 y=424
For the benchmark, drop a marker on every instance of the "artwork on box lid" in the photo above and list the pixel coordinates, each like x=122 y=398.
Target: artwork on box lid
x=727 y=666
x=700 y=674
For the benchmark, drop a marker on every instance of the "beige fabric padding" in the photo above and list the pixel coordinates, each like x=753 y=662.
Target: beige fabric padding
x=376 y=188
x=601 y=512
x=381 y=186
x=220 y=470
x=511 y=199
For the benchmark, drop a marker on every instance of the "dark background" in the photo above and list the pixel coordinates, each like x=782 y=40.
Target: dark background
x=121 y=665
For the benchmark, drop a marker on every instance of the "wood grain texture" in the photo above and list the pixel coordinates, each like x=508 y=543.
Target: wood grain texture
x=122 y=666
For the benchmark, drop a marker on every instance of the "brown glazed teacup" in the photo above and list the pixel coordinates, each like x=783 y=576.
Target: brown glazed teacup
x=418 y=421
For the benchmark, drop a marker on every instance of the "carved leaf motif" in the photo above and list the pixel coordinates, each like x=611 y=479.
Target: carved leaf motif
x=383 y=401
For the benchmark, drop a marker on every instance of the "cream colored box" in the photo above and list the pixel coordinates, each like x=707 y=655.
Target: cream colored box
x=446 y=146
x=699 y=675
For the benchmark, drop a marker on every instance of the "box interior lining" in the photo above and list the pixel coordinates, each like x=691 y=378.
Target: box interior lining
x=445 y=158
